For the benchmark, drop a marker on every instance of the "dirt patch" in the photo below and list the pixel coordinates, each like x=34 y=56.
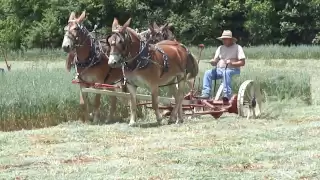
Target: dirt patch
x=5 y=167
x=80 y=160
x=44 y=139
x=303 y=120
x=316 y=156
x=244 y=167
x=21 y=178
x=155 y=178
x=312 y=176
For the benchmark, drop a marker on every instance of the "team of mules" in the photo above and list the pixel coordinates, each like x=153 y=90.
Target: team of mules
x=125 y=57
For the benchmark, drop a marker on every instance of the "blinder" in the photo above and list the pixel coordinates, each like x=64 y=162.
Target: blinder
x=123 y=42
x=75 y=38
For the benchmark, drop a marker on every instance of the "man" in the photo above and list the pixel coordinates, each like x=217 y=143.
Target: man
x=228 y=59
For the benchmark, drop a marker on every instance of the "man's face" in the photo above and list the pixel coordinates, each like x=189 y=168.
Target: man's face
x=227 y=42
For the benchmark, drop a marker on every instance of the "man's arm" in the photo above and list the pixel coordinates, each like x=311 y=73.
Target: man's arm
x=216 y=57
x=241 y=58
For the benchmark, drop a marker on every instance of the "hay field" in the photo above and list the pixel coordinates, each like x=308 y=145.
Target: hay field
x=282 y=144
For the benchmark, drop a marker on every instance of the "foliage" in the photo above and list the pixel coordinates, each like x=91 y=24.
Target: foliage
x=39 y=23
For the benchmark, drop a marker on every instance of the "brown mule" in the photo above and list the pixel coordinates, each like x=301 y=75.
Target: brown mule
x=165 y=32
x=70 y=60
x=166 y=63
x=155 y=34
x=161 y=33
x=91 y=64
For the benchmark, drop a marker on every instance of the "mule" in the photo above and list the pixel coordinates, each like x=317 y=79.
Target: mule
x=155 y=34
x=91 y=62
x=165 y=32
x=161 y=33
x=166 y=63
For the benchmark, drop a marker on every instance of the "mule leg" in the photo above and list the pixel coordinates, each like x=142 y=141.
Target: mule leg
x=173 y=92
x=133 y=104
x=125 y=102
x=180 y=96
x=112 y=108
x=84 y=114
x=96 y=112
x=174 y=112
x=155 y=103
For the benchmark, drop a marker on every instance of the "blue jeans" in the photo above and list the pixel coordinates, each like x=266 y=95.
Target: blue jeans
x=218 y=73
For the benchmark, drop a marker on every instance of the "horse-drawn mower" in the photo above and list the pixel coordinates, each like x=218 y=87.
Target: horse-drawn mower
x=246 y=103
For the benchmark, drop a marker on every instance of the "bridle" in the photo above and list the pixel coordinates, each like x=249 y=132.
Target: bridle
x=94 y=57
x=80 y=28
x=126 y=42
x=161 y=35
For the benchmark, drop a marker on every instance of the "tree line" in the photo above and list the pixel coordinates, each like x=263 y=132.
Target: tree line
x=28 y=24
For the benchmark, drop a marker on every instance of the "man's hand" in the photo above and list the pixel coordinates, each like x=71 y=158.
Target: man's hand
x=213 y=62
x=238 y=63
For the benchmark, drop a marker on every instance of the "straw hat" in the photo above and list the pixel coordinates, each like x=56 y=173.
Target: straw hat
x=227 y=34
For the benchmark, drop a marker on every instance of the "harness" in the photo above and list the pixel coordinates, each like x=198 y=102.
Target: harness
x=95 y=54
x=143 y=57
x=94 y=57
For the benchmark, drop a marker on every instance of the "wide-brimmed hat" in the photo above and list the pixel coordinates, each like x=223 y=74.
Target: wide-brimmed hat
x=227 y=34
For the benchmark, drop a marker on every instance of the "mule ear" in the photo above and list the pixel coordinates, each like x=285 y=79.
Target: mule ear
x=126 y=24
x=82 y=16
x=151 y=27
x=115 y=24
x=164 y=26
x=72 y=16
x=155 y=25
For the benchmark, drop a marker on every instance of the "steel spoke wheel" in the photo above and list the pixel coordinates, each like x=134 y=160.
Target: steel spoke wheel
x=249 y=99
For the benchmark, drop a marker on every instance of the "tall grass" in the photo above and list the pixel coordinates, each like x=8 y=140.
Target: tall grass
x=257 y=52
x=270 y=52
x=37 y=98
x=44 y=96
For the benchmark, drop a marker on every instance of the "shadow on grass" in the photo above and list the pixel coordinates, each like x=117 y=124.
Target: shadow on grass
x=148 y=125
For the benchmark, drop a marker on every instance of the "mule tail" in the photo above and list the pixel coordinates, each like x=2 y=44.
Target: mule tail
x=192 y=67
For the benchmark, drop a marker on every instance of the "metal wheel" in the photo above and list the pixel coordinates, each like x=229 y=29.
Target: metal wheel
x=249 y=99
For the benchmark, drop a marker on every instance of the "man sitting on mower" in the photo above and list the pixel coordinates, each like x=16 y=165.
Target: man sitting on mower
x=228 y=59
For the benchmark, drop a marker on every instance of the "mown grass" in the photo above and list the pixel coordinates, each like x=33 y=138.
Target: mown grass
x=202 y=148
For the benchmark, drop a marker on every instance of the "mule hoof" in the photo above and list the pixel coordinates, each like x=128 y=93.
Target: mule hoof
x=171 y=121
x=96 y=121
x=86 y=122
x=180 y=121
x=132 y=124
x=162 y=122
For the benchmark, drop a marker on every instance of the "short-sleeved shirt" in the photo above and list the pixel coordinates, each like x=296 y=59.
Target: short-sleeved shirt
x=233 y=53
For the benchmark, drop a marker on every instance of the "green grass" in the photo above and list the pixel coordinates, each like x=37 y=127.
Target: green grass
x=282 y=144
x=39 y=94
x=257 y=52
x=203 y=148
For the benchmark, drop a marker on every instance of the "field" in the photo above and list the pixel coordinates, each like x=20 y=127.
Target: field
x=282 y=144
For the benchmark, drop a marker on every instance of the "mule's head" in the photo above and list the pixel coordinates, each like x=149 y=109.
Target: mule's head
x=74 y=32
x=160 y=33
x=119 y=42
